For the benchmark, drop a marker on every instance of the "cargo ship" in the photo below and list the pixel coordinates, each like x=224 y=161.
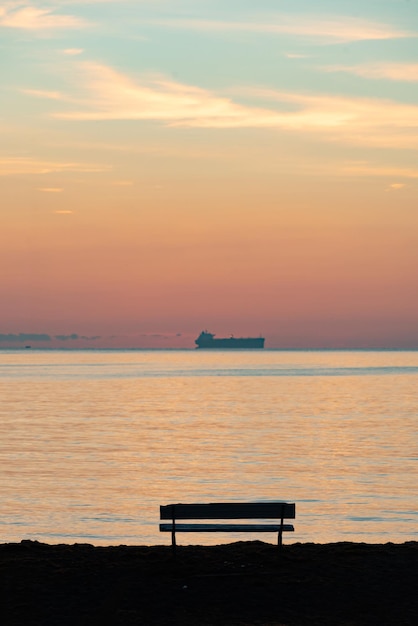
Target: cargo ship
x=207 y=340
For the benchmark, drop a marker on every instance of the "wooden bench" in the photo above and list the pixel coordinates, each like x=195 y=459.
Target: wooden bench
x=227 y=511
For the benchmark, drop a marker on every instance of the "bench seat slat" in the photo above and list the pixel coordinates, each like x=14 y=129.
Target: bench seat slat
x=248 y=528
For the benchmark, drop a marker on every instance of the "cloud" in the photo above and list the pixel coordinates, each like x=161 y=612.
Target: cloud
x=360 y=121
x=43 y=93
x=104 y=94
x=396 y=186
x=23 y=337
x=111 y=95
x=364 y=169
x=64 y=212
x=116 y=2
x=23 y=15
x=73 y=51
x=26 y=165
x=328 y=29
x=407 y=72
x=294 y=55
x=50 y=189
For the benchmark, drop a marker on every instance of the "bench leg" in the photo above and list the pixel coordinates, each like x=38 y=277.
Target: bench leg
x=173 y=534
x=173 y=537
x=280 y=535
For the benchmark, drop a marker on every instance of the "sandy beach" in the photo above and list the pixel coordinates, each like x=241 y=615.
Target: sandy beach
x=236 y=584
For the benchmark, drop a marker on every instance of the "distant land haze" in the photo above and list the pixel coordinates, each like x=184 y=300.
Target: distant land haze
x=313 y=336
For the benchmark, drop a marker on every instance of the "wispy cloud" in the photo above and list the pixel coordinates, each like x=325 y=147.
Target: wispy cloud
x=295 y=55
x=122 y=183
x=396 y=187
x=105 y=94
x=25 y=165
x=73 y=51
x=407 y=72
x=364 y=121
x=340 y=29
x=43 y=93
x=24 y=15
x=381 y=171
x=51 y=189
x=87 y=2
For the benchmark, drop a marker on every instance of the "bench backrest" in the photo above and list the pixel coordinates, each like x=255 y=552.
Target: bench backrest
x=233 y=510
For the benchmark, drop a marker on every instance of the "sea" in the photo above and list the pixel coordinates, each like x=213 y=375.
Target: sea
x=92 y=442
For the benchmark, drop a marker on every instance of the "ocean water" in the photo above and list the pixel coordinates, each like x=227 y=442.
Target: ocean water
x=92 y=442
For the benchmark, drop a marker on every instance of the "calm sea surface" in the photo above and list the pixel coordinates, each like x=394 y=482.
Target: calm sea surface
x=92 y=442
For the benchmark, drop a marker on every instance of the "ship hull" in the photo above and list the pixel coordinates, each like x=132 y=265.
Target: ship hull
x=231 y=343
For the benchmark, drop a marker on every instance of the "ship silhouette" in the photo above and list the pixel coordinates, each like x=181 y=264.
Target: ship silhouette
x=207 y=340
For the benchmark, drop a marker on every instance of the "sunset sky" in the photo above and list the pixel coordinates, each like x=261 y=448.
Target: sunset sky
x=249 y=167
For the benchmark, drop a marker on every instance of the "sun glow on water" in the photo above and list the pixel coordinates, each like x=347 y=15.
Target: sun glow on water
x=94 y=442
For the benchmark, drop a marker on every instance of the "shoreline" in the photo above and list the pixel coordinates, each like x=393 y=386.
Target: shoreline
x=238 y=584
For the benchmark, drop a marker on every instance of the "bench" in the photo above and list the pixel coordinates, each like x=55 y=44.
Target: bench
x=227 y=511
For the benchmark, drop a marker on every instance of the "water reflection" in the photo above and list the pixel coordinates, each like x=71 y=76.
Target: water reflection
x=94 y=442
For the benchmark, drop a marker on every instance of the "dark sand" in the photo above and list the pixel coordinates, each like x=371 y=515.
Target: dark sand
x=243 y=583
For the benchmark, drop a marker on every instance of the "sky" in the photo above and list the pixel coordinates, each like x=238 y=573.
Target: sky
x=169 y=166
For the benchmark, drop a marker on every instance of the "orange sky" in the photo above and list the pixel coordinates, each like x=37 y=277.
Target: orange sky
x=150 y=190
